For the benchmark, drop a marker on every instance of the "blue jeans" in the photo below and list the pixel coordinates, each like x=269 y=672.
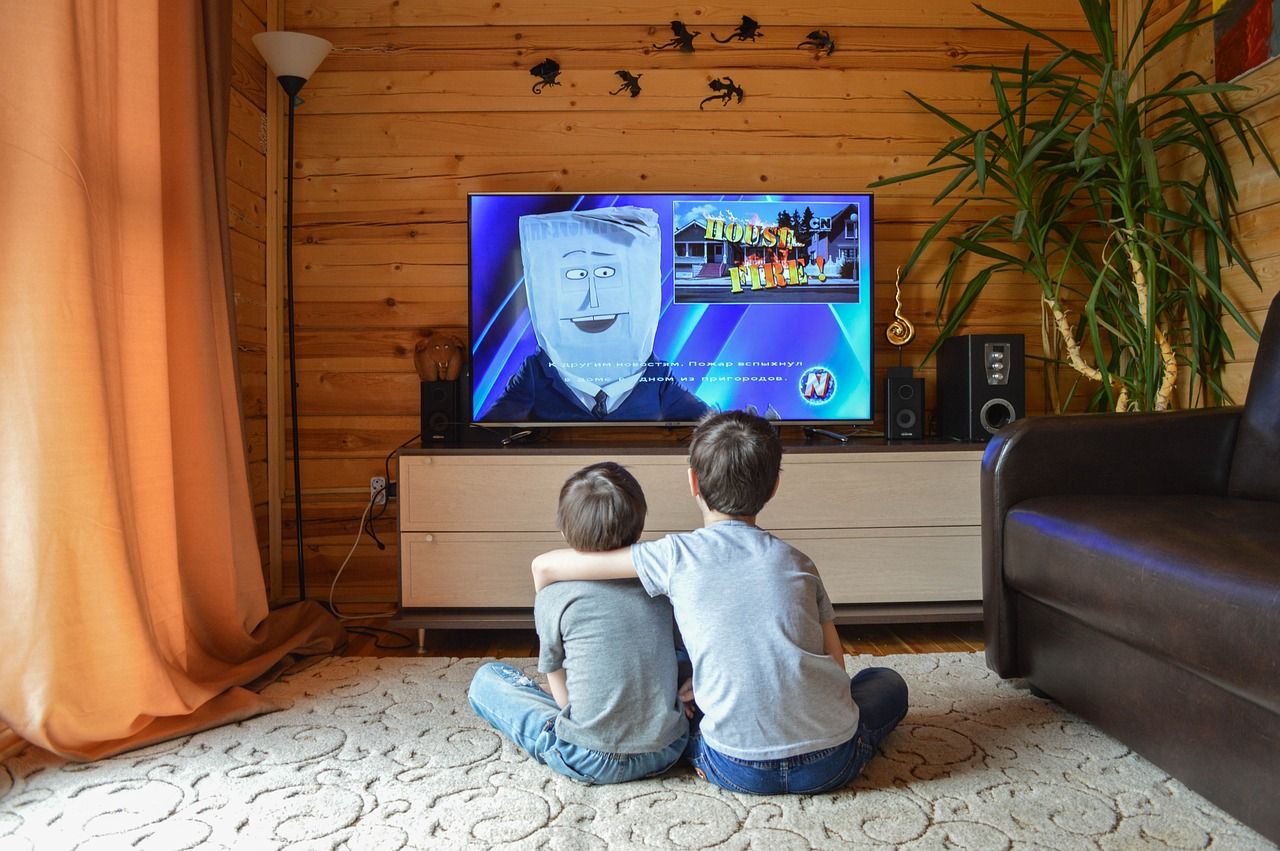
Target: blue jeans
x=881 y=696
x=520 y=710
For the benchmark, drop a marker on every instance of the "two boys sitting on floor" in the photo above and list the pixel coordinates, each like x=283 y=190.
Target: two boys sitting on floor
x=775 y=711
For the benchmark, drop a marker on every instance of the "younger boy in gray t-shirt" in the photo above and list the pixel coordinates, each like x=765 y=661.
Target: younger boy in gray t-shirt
x=613 y=713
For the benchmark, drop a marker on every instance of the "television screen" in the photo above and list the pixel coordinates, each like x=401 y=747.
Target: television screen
x=658 y=308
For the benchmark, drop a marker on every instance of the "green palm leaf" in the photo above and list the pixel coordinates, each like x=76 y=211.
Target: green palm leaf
x=1094 y=174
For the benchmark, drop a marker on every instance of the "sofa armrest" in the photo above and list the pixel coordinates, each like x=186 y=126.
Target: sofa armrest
x=1166 y=453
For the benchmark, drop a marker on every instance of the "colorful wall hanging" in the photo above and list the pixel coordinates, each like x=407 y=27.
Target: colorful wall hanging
x=1245 y=36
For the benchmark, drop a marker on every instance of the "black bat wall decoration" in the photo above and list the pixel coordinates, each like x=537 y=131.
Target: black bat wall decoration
x=748 y=30
x=683 y=40
x=725 y=90
x=820 y=40
x=630 y=83
x=546 y=71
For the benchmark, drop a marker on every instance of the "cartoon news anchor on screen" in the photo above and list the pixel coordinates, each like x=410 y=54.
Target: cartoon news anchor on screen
x=593 y=284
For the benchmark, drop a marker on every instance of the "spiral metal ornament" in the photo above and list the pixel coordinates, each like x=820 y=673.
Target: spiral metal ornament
x=900 y=330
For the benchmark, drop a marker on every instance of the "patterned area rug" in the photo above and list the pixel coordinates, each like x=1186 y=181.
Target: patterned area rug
x=386 y=754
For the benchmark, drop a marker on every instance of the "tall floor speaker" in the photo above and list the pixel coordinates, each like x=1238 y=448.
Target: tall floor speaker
x=981 y=385
x=441 y=412
x=903 y=405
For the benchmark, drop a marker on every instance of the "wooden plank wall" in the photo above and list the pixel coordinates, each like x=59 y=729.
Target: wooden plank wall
x=1258 y=221
x=419 y=106
x=247 y=192
x=421 y=103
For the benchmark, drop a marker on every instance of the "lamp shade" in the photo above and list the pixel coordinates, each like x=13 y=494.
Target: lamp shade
x=292 y=54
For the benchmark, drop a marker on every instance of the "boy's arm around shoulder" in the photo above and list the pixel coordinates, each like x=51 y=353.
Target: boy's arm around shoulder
x=566 y=564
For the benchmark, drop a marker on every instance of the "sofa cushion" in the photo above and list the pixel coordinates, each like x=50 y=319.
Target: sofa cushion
x=1194 y=579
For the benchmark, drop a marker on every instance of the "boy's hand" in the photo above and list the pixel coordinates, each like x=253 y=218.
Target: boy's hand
x=686 y=697
x=543 y=567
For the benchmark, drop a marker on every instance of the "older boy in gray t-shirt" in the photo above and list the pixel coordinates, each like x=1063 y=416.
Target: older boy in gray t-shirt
x=766 y=685
x=613 y=713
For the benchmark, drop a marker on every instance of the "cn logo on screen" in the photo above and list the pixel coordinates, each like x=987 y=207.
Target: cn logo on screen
x=817 y=385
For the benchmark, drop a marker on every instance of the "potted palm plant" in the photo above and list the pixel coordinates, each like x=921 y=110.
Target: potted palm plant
x=1114 y=200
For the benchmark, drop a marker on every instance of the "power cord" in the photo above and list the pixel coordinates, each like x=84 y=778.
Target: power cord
x=379 y=499
x=333 y=607
x=381 y=507
x=374 y=632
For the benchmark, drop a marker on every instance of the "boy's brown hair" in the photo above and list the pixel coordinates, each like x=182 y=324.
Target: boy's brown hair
x=601 y=508
x=737 y=457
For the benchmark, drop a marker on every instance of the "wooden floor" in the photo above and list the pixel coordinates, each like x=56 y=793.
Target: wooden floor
x=876 y=640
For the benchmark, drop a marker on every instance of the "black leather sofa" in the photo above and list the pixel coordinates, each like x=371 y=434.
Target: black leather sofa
x=1131 y=572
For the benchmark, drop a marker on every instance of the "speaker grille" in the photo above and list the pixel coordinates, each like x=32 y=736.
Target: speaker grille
x=441 y=412
x=904 y=405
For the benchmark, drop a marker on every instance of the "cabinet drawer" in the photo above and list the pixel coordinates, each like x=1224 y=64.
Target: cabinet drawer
x=442 y=569
x=876 y=489
x=445 y=493
x=895 y=565
x=458 y=493
x=451 y=569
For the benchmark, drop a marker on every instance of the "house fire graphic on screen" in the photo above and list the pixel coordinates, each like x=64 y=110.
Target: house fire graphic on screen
x=759 y=252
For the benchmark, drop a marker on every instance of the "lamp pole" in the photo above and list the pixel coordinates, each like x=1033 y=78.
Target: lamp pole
x=293 y=342
x=293 y=57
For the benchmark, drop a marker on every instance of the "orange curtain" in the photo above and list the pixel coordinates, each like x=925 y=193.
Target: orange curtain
x=132 y=603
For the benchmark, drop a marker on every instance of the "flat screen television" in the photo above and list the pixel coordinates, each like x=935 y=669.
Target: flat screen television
x=656 y=308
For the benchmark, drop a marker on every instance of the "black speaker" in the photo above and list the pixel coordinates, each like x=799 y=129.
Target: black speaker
x=981 y=385
x=903 y=405
x=441 y=412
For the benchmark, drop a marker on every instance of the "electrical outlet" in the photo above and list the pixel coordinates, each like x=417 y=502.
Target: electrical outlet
x=378 y=490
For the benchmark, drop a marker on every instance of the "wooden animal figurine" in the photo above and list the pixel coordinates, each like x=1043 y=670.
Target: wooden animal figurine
x=438 y=357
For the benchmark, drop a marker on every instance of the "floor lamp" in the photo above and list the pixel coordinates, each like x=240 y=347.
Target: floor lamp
x=293 y=57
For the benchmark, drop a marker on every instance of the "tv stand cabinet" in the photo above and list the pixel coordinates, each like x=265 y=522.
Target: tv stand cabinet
x=894 y=530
